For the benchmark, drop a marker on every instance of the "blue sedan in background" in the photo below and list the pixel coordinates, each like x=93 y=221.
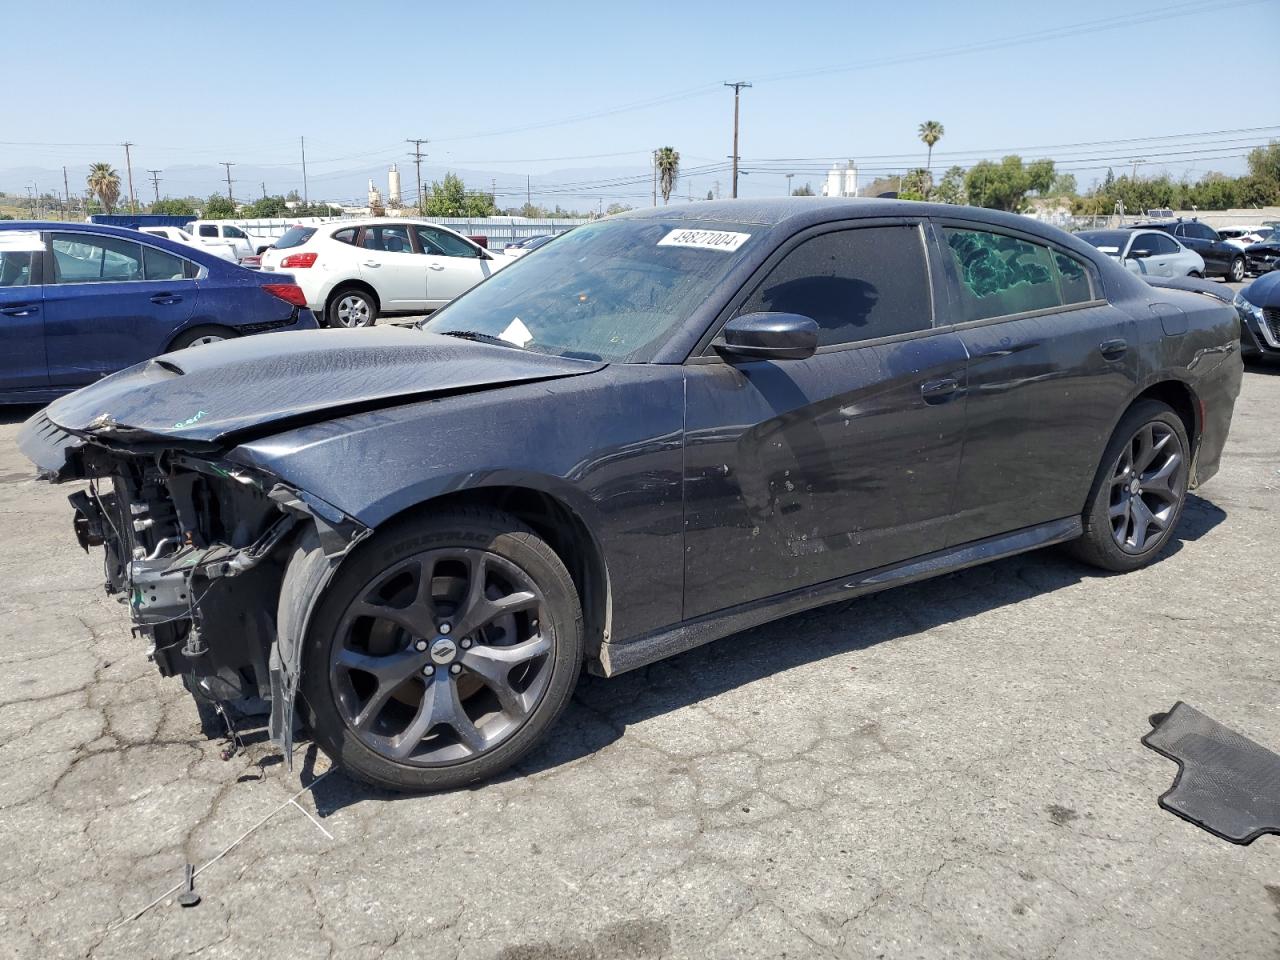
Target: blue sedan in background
x=80 y=301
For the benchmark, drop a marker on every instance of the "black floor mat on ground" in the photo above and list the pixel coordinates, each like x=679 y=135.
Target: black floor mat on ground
x=1226 y=783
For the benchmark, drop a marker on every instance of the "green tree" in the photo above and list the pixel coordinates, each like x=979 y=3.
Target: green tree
x=916 y=185
x=931 y=132
x=1261 y=187
x=950 y=188
x=803 y=191
x=174 y=208
x=451 y=199
x=104 y=183
x=668 y=163
x=616 y=208
x=1064 y=185
x=218 y=207
x=266 y=207
x=1005 y=185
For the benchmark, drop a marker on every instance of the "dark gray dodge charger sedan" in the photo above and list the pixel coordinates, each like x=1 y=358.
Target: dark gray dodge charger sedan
x=658 y=430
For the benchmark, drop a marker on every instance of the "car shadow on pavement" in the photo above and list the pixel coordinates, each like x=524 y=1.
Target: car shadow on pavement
x=602 y=709
x=18 y=414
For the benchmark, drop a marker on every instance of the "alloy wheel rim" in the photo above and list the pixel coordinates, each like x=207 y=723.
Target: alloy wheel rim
x=353 y=312
x=1237 y=271
x=202 y=341
x=442 y=657
x=1148 y=483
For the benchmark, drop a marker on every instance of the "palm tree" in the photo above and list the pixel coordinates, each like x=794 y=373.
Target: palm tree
x=668 y=161
x=931 y=132
x=104 y=183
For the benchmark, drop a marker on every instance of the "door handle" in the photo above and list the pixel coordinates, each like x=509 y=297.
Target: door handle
x=1114 y=349
x=435 y=266
x=939 y=391
x=166 y=298
x=22 y=310
x=372 y=263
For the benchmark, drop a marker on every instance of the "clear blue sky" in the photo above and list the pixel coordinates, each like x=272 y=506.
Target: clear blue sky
x=198 y=84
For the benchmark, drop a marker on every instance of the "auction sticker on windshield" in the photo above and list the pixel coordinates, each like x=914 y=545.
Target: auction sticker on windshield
x=705 y=239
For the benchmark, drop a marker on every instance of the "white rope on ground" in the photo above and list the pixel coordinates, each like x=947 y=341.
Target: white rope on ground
x=235 y=843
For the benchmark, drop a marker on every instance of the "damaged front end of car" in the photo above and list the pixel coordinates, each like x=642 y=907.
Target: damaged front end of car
x=219 y=564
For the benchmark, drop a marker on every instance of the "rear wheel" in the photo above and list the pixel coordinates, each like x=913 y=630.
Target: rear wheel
x=1236 y=272
x=442 y=652
x=352 y=307
x=1197 y=274
x=1139 y=491
x=199 y=336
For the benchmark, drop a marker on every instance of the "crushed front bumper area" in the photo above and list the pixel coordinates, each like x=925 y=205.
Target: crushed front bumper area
x=199 y=549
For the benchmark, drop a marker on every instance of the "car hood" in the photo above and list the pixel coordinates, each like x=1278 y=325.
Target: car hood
x=256 y=385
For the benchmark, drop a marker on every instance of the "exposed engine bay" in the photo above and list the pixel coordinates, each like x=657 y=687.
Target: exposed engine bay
x=201 y=551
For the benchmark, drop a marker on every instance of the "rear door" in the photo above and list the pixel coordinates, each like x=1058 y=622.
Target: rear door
x=22 y=360
x=454 y=266
x=110 y=303
x=389 y=265
x=1050 y=363
x=801 y=471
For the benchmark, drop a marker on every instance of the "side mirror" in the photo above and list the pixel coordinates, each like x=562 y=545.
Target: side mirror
x=768 y=336
x=1139 y=254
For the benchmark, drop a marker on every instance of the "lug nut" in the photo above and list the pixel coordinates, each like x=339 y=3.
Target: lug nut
x=420 y=646
x=466 y=643
x=445 y=628
x=428 y=670
x=455 y=668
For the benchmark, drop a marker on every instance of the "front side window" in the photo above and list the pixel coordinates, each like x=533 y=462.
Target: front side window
x=162 y=265
x=1001 y=275
x=84 y=258
x=387 y=239
x=234 y=232
x=1161 y=244
x=441 y=243
x=855 y=284
x=15 y=267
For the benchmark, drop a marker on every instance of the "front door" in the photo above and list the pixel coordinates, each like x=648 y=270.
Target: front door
x=453 y=265
x=801 y=471
x=389 y=265
x=1050 y=363
x=107 y=306
x=22 y=361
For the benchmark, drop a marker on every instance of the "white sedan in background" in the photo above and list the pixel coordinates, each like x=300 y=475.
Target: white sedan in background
x=354 y=271
x=1147 y=252
x=219 y=248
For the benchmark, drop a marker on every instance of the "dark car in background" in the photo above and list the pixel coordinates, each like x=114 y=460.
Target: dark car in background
x=1259 y=307
x=1263 y=256
x=1221 y=259
x=667 y=427
x=81 y=301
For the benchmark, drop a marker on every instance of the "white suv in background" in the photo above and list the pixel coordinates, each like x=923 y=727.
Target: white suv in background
x=353 y=271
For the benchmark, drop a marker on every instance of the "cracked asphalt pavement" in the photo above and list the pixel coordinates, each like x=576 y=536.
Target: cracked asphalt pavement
x=947 y=769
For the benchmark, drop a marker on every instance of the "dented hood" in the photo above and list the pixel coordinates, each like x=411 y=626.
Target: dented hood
x=206 y=394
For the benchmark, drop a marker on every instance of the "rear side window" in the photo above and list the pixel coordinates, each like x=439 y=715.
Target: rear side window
x=1073 y=279
x=162 y=265
x=855 y=284
x=208 y=230
x=294 y=237
x=15 y=268
x=387 y=239
x=344 y=236
x=1001 y=275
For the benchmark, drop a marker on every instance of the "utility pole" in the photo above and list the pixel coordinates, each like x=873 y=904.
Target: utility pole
x=155 y=182
x=128 y=165
x=229 y=165
x=264 y=189
x=66 y=187
x=417 y=164
x=737 y=91
x=305 y=201
x=655 y=178
x=528 y=190
x=789 y=176
x=717 y=184
x=1136 y=161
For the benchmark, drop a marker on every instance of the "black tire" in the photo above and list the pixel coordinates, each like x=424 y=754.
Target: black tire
x=1235 y=273
x=430 y=761
x=201 y=335
x=1101 y=544
x=342 y=311
x=1196 y=274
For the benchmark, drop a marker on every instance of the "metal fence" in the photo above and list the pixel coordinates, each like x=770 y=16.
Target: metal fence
x=499 y=231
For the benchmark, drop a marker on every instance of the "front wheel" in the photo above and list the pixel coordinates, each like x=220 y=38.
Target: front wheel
x=1236 y=273
x=1139 y=491
x=444 y=649
x=1196 y=274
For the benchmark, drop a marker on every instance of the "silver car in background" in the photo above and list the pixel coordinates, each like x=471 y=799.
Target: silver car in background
x=1146 y=252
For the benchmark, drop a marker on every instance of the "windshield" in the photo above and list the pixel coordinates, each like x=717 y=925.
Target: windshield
x=1108 y=241
x=612 y=290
